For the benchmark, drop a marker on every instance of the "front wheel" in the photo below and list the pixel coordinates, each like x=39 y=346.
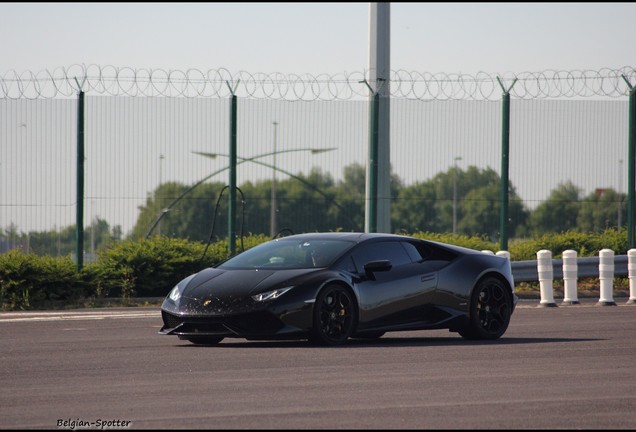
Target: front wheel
x=490 y=310
x=334 y=316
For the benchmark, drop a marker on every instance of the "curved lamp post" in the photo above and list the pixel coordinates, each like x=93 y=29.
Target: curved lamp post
x=272 y=210
x=458 y=158
x=253 y=159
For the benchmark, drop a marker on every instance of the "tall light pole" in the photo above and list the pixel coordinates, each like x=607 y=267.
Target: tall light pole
x=457 y=158
x=620 y=189
x=272 y=214
x=161 y=158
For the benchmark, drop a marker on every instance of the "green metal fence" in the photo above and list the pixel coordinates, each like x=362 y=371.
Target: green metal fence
x=141 y=156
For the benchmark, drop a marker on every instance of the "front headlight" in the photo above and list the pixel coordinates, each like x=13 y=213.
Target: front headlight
x=175 y=294
x=270 y=295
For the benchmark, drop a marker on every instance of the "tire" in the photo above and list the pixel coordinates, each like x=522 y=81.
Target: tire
x=490 y=310
x=204 y=340
x=334 y=316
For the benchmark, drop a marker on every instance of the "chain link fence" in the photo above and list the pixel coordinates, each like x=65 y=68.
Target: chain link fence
x=151 y=135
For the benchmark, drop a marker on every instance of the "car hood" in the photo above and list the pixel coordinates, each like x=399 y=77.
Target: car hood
x=237 y=283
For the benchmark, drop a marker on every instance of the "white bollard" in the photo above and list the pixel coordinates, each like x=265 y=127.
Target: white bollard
x=546 y=277
x=506 y=254
x=570 y=276
x=631 y=272
x=606 y=276
x=489 y=252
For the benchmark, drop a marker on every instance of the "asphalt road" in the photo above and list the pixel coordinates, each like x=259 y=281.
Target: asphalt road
x=568 y=367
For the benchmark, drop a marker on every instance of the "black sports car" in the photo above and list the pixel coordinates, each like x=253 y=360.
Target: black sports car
x=328 y=287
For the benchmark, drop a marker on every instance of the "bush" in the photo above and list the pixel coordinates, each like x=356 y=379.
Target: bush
x=152 y=267
x=477 y=243
x=147 y=268
x=28 y=280
x=585 y=244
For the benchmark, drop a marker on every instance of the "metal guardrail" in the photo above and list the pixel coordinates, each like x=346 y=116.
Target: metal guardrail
x=526 y=271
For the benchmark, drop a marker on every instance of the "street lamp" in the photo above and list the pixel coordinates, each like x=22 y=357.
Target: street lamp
x=161 y=158
x=620 y=188
x=272 y=212
x=252 y=159
x=457 y=158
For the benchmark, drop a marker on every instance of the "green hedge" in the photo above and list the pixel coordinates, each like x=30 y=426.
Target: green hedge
x=585 y=244
x=29 y=280
x=150 y=268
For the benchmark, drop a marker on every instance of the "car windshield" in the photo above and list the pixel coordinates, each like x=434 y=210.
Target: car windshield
x=289 y=254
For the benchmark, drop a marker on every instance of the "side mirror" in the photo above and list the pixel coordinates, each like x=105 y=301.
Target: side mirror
x=372 y=267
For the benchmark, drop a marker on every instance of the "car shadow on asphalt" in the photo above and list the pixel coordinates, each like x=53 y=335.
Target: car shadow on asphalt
x=387 y=342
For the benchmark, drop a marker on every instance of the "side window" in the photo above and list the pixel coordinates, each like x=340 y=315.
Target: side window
x=345 y=263
x=390 y=250
x=440 y=254
x=420 y=252
x=417 y=255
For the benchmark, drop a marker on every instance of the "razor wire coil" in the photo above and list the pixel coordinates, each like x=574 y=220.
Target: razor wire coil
x=221 y=83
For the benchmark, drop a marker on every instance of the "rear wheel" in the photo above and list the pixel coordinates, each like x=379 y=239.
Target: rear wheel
x=334 y=316
x=490 y=310
x=204 y=340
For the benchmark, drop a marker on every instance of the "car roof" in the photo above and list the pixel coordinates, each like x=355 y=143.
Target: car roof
x=358 y=237
x=348 y=236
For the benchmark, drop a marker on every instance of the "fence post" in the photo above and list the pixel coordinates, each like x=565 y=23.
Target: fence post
x=504 y=187
x=631 y=166
x=79 y=211
x=631 y=272
x=570 y=275
x=231 y=222
x=546 y=276
x=606 y=276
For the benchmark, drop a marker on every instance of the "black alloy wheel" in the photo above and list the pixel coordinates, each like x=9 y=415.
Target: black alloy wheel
x=490 y=310
x=334 y=316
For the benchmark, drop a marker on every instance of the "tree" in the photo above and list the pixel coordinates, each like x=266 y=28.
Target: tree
x=415 y=209
x=305 y=202
x=559 y=212
x=350 y=195
x=472 y=195
x=302 y=203
x=60 y=242
x=177 y=210
x=599 y=211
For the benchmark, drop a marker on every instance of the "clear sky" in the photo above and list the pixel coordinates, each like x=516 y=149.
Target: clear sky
x=316 y=38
